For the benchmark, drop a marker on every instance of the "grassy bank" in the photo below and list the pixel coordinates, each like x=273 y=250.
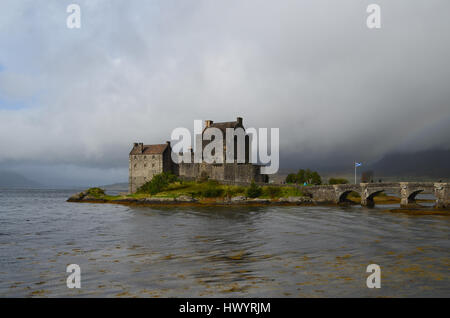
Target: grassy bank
x=204 y=190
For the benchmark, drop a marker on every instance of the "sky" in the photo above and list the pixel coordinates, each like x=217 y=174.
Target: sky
x=72 y=101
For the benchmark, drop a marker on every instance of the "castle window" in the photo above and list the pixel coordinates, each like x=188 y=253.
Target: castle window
x=135 y=165
x=153 y=165
x=153 y=157
x=145 y=165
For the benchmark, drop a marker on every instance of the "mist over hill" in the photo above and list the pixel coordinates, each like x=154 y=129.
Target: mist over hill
x=9 y=179
x=430 y=163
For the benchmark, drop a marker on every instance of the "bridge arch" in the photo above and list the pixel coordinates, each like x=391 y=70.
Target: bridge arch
x=413 y=198
x=367 y=198
x=343 y=196
x=412 y=195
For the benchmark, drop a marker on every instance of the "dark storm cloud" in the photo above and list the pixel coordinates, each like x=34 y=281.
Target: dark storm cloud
x=135 y=70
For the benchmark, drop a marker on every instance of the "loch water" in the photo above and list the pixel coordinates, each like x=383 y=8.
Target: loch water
x=291 y=251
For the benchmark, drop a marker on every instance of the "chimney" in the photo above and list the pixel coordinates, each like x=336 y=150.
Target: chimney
x=140 y=146
x=208 y=123
x=168 y=143
x=239 y=120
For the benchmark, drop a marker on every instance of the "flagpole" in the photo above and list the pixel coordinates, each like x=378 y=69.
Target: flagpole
x=355 y=170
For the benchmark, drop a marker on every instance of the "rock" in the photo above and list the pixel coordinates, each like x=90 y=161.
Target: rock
x=262 y=201
x=283 y=200
x=185 y=198
x=299 y=200
x=159 y=200
x=238 y=199
x=126 y=200
x=77 y=197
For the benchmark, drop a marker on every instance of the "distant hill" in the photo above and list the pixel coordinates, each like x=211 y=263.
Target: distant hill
x=115 y=188
x=429 y=165
x=434 y=164
x=9 y=179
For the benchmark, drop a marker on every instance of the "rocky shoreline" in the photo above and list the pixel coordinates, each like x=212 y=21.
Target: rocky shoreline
x=85 y=197
x=185 y=200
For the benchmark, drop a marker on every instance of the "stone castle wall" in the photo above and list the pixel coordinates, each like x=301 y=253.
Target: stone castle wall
x=142 y=168
x=230 y=172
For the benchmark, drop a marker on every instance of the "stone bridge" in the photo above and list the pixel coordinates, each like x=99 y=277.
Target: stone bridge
x=407 y=192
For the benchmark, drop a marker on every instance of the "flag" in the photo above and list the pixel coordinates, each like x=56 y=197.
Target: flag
x=358 y=164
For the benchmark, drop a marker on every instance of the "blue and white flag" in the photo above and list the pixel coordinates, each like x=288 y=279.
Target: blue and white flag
x=358 y=164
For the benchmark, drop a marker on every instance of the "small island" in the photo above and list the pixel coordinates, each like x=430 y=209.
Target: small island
x=168 y=189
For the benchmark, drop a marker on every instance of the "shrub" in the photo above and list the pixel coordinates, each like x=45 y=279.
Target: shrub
x=170 y=177
x=211 y=189
x=273 y=192
x=291 y=178
x=240 y=189
x=230 y=191
x=158 y=183
x=254 y=190
x=337 y=181
x=95 y=192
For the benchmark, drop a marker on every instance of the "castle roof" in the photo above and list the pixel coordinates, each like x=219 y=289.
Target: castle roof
x=224 y=125
x=149 y=149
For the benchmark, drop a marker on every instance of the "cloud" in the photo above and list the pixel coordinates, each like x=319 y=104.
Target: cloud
x=136 y=70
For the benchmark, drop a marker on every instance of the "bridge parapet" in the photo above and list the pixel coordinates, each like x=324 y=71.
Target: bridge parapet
x=322 y=193
x=406 y=190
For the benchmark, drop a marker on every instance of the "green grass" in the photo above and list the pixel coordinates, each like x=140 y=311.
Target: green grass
x=199 y=190
x=202 y=190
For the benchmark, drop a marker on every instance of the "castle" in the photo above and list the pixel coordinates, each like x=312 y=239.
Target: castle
x=145 y=161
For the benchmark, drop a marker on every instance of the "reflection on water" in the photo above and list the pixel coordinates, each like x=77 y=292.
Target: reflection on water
x=216 y=251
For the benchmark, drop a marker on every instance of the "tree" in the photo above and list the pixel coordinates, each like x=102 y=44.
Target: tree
x=301 y=176
x=315 y=178
x=337 y=181
x=291 y=178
